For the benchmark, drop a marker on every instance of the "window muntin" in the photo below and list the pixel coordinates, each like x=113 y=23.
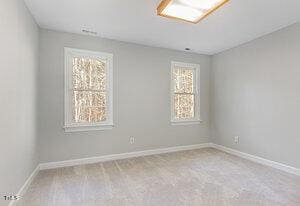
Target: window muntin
x=184 y=96
x=185 y=87
x=88 y=89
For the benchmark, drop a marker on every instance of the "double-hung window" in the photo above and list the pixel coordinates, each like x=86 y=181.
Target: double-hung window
x=88 y=90
x=185 y=87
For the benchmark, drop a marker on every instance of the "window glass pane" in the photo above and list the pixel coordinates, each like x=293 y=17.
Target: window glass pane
x=89 y=106
x=89 y=99
x=183 y=80
x=89 y=90
x=184 y=106
x=89 y=74
x=89 y=114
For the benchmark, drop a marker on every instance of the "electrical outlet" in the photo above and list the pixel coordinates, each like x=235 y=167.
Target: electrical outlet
x=236 y=139
x=131 y=140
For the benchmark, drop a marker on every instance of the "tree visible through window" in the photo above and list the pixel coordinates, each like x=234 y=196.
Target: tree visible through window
x=89 y=89
x=185 y=92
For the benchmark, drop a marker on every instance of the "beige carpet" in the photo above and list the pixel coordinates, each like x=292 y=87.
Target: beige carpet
x=204 y=177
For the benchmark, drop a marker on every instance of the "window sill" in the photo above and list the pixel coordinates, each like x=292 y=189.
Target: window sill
x=87 y=128
x=187 y=122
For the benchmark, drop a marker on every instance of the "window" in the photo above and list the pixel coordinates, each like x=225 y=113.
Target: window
x=185 y=86
x=88 y=90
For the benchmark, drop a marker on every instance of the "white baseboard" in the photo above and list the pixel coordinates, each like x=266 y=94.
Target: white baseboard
x=257 y=159
x=74 y=162
x=67 y=163
x=90 y=160
x=25 y=186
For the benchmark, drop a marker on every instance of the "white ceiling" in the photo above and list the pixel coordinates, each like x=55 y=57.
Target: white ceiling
x=136 y=21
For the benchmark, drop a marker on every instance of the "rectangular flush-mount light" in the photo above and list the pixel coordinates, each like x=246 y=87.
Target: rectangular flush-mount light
x=188 y=10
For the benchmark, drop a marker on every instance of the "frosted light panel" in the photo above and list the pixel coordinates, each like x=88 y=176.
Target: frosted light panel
x=184 y=97
x=89 y=90
x=188 y=10
x=182 y=12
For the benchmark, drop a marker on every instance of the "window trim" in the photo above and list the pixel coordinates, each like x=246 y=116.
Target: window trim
x=69 y=126
x=196 y=119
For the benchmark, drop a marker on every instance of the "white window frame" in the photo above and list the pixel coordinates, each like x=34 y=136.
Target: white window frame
x=69 y=125
x=196 y=119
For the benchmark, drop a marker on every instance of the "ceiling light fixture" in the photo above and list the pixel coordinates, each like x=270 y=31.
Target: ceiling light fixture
x=188 y=10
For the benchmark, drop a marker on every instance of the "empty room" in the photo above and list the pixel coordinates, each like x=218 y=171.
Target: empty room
x=150 y=103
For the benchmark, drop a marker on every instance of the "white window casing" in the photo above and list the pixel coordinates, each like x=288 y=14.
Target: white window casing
x=185 y=93
x=88 y=99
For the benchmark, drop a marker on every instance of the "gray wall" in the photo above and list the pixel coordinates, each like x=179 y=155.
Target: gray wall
x=19 y=60
x=141 y=99
x=255 y=95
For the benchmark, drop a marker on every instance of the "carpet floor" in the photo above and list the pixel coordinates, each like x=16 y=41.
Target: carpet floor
x=202 y=177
